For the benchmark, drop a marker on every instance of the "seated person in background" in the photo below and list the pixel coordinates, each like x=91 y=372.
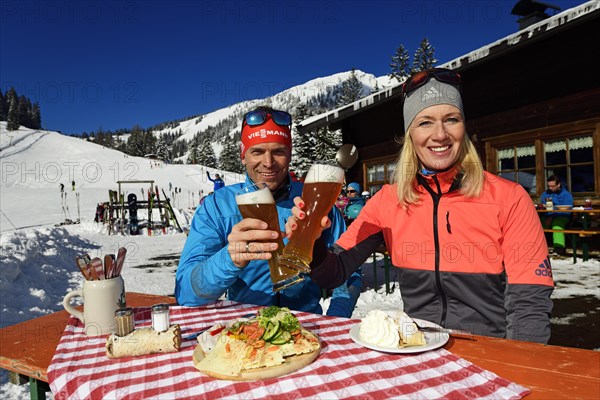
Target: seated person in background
x=355 y=202
x=227 y=254
x=556 y=220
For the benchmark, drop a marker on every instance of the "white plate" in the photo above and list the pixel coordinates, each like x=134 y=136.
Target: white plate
x=433 y=340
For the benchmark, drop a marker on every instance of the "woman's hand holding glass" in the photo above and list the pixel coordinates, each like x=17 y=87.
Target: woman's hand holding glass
x=297 y=214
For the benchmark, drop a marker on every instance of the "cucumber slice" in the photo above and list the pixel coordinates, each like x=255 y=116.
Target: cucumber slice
x=271 y=330
x=282 y=338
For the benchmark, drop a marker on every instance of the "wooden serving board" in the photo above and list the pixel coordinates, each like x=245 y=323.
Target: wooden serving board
x=291 y=364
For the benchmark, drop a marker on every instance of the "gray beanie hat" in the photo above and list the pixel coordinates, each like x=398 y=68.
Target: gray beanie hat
x=430 y=94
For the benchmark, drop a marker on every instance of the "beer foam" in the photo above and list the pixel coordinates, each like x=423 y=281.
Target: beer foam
x=324 y=173
x=262 y=196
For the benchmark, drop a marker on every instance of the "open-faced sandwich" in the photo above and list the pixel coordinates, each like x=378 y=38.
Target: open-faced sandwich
x=272 y=339
x=390 y=329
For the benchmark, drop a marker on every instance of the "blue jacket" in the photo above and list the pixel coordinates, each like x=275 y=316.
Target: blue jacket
x=218 y=183
x=206 y=270
x=561 y=198
x=354 y=206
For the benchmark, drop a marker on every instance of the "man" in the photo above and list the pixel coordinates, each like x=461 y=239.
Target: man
x=218 y=181
x=556 y=220
x=222 y=253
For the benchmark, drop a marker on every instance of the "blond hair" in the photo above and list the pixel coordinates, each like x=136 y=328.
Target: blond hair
x=408 y=165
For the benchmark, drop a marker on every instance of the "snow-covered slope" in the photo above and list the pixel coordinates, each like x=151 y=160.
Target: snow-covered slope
x=35 y=163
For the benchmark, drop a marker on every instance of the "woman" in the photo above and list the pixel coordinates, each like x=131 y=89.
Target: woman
x=468 y=245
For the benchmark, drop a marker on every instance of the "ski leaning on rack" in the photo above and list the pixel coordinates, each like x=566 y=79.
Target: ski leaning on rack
x=112 y=201
x=150 y=195
x=122 y=201
x=164 y=221
x=170 y=208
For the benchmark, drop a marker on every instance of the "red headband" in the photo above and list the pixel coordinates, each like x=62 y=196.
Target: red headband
x=269 y=132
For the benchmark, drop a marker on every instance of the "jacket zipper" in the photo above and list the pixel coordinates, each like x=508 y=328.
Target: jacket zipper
x=438 y=278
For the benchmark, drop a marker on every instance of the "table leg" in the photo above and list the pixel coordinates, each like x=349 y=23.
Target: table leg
x=574 y=240
x=38 y=389
x=375 y=270
x=386 y=264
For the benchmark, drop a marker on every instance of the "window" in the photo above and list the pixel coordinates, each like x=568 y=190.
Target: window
x=570 y=151
x=572 y=160
x=517 y=163
x=378 y=173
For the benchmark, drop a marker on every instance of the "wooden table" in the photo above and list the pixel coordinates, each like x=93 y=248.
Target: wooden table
x=27 y=348
x=549 y=371
x=587 y=214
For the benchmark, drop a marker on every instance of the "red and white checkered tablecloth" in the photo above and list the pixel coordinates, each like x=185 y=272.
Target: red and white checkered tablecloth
x=344 y=369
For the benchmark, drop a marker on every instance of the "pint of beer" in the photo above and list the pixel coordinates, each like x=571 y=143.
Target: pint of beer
x=256 y=201
x=322 y=187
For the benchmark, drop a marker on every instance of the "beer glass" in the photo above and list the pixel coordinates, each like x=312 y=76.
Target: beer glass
x=256 y=201
x=322 y=186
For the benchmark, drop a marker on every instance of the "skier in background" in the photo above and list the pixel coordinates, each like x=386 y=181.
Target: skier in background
x=73 y=185
x=219 y=183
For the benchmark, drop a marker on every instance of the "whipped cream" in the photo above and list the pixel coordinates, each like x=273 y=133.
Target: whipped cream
x=380 y=329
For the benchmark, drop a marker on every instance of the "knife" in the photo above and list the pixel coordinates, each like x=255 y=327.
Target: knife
x=451 y=332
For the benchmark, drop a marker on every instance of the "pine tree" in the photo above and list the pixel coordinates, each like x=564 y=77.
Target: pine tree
x=149 y=142
x=229 y=159
x=3 y=107
x=303 y=144
x=193 y=154
x=135 y=143
x=206 y=154
x=424 y=57
x=162 y=150
x=323 y=147
x=13 y=110
x=352 y=90
x=399 y=67
x=23 y=110
x=36 y=116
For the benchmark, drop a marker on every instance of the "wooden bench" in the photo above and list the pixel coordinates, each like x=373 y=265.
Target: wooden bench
x=583 y=233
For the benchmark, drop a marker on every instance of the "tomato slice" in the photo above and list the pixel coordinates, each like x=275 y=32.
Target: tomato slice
x=216 y=331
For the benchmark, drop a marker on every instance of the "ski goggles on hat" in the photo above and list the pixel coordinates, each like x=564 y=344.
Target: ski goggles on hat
x=420 y=78
x=259 y=117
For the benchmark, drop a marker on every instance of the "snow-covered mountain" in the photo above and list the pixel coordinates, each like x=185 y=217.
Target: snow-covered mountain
x=318 y=94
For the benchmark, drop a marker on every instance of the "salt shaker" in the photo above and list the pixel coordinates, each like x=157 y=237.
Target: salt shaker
x=124 y=321
x=160 y=317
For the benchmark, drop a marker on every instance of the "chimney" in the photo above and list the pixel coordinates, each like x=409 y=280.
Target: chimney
x=531 y=12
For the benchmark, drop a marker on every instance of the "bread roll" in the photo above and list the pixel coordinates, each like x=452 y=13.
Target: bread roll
x=144 y=341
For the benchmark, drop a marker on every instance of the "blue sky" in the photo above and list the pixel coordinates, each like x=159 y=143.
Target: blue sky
x=114 y=64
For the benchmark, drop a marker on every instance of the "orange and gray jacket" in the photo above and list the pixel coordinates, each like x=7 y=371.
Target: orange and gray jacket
x=479 y=264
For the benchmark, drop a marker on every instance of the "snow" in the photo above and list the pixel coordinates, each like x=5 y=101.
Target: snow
x=301 y=93
x=37 y=258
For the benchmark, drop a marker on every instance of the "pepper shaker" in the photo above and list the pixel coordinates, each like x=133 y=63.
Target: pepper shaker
x=124 y=321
